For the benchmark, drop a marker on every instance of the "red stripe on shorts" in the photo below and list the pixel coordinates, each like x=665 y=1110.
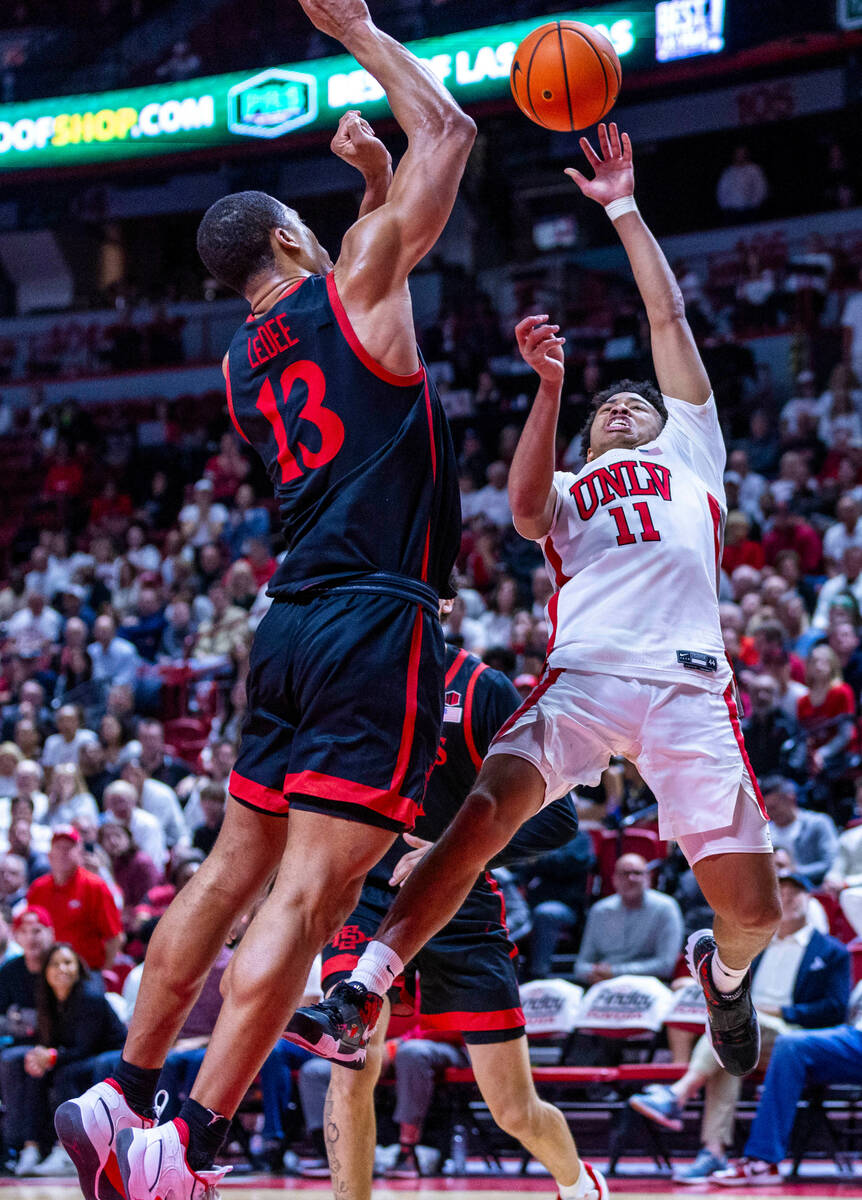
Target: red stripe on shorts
x=477 y=1022
x=409 y=725
x=551 y=676
x=339 y=963
x=733 y=713
x=266 y=798
x=498 y=892
x=385 y=801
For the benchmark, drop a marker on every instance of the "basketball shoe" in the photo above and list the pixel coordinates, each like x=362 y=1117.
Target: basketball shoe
x=88 y=1127
x=599 y=1185
x=338 y=1028
x=732 y=1026
x=153 y=1162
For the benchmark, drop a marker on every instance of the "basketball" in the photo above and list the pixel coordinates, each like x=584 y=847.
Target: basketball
x=565 y=76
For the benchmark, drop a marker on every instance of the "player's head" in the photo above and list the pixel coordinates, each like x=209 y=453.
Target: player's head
x=622 y=416
x=245 y=235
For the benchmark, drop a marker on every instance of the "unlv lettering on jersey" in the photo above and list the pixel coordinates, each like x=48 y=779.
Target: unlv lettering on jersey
x=618 y=480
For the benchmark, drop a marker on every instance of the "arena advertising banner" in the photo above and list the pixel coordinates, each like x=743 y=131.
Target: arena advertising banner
x=221 y=111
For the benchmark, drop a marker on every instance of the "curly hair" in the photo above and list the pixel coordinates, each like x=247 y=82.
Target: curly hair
x=641 y=387
x=233 y=236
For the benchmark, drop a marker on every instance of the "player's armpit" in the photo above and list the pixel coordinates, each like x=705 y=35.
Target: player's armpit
x=678 y=366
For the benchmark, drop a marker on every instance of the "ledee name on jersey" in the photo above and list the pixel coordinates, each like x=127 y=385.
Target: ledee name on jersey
x=618 y=480
x=271 y=339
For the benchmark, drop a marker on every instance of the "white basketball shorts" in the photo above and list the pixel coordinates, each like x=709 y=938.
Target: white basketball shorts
x=685 y=741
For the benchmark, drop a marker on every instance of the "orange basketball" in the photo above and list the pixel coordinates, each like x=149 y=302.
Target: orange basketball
x=565 y=75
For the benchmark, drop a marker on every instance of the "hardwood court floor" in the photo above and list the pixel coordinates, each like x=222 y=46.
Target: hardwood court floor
x=262 y=1188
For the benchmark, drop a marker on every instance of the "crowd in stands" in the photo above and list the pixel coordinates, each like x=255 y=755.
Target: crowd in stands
x=135 y=581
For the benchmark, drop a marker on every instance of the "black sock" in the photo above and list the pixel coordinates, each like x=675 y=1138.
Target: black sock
x=207 y=1132
x=138 y=1085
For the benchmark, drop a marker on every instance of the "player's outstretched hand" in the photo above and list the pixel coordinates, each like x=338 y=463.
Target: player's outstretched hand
x=355 y=143
x=411 y=859
x=541 y=347
x=333 y=16
x=615 y=174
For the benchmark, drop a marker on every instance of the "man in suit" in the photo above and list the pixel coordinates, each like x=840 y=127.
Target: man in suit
x=800 y=981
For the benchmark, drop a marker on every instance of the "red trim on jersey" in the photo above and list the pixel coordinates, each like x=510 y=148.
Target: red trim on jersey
x=475 y=1022
x=356 y=346
x=733 y=713
x=456 y=666
x=430 y=416
x=552 y=675
x=560 y=577
x=715 y=513
x=230 y=407
x=409 y=725
x=424 y=573
x=468 y=717
x=385 y=801
x=270 y=799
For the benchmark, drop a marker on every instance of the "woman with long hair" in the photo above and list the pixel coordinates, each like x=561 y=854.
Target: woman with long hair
x=68 y=797
x=80 y=1038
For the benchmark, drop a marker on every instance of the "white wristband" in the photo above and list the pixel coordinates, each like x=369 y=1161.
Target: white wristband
x=625 y=204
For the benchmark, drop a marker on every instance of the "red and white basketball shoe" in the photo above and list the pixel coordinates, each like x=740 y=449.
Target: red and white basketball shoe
x=87 y=1128
x=599 y=1189
x=153 y=1164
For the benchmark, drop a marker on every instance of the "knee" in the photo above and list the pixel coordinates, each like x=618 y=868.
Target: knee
x=411 y=1059
x=516 y=1115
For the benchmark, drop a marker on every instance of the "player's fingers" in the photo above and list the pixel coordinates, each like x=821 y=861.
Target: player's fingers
x=526 y=325
x=604 y=144
x=592 y=158
x=627 y=147
x=577 y=177
x=615 y=140
x=412 y=840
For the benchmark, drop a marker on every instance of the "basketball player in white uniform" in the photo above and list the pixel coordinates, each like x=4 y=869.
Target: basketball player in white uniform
x=636 y=664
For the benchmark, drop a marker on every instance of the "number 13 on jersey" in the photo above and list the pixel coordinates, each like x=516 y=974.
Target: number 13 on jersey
x=328 y=424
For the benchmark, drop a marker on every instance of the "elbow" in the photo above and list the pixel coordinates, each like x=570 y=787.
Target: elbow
x=669 y=310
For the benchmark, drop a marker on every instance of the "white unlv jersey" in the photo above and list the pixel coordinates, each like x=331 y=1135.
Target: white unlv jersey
x=634 y=554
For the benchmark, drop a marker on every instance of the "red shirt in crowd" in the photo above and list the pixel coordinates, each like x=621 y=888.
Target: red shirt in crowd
x=747 y=553
x=839 y=702
x=83 y=912
x=802 y=538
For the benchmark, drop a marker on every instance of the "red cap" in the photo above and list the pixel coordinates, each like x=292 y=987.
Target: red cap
x=66 y=831
x=41 y=914
x=529 y=681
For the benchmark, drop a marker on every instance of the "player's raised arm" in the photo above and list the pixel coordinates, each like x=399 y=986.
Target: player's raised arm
x=531 y=479
x=678 y=366
x=439 y=136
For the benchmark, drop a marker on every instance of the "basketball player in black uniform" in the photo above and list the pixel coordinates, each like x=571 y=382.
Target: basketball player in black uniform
x=466 y=971
x=346 y=676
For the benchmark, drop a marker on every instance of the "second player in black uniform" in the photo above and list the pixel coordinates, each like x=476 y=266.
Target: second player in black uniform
x=467 y=980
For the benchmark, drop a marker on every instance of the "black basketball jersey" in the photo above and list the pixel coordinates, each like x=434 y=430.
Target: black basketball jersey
x=478 y=700
x=361 y=460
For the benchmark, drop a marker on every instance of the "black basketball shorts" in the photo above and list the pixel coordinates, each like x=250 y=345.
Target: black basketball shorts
x=345 y=704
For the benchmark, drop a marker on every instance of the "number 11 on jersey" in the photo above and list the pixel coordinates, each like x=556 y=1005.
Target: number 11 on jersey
x=648 y=531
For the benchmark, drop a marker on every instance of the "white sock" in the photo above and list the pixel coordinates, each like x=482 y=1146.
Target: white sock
x=725 y=978
x=378 y=968
x=578 y=1189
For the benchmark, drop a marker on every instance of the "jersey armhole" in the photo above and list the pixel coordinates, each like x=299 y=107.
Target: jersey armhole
x=349 y=334
x=469 y=736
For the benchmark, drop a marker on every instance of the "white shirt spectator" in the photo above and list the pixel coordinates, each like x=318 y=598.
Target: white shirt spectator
x=775 y=977
x=79 y=807
x=160 y=800
x=147 y=835
x=58 y=750
x=851 y=319
x=31 y=632
x=836 y=539
x=145 y=558
x=118 y=663
x=829 y=427
x=831 y=588
x=203 y=530
x=742 y=187
x=493 y=503
x=497 y=628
